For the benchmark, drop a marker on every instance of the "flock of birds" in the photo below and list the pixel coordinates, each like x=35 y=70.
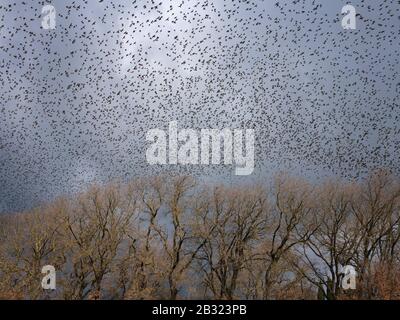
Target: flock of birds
x=78 y=100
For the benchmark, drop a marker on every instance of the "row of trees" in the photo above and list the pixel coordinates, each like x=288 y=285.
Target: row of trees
x=169 y=238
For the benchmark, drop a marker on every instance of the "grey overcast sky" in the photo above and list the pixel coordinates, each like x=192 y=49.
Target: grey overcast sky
x=77 y=100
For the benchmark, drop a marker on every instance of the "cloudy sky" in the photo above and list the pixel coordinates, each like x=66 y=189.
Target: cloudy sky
x=78 y=100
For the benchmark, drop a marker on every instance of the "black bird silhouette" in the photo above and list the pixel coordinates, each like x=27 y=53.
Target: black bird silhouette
x=78 y=100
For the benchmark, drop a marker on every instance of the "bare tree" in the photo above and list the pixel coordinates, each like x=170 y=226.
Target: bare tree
x=230 y=226
x=288 y=223
x=29 y=241
x=166 y=237
x=333 y=245
x=377 y=218
x=94 y=230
